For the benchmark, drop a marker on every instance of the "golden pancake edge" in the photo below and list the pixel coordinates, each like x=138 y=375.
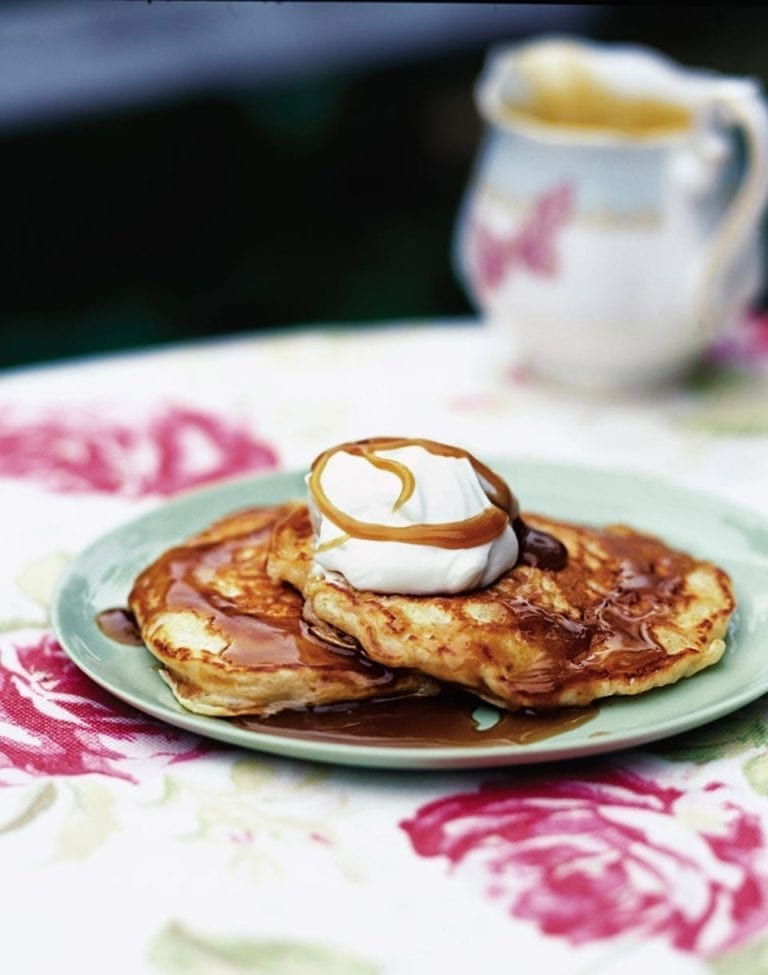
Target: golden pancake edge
x=231 y=641
x=626 y=614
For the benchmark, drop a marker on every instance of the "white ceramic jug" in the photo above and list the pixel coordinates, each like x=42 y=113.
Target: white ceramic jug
x=608 y=227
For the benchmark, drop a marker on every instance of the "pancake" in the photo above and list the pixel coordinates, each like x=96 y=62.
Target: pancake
x=626 y=614
x=233 y=642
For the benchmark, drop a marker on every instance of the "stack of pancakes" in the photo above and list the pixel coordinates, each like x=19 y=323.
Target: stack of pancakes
x=241 y=625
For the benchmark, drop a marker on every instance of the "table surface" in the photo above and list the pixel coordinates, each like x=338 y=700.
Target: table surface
x=130 y=846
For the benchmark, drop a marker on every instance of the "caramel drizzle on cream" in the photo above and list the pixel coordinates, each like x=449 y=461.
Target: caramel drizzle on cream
x=477 y=530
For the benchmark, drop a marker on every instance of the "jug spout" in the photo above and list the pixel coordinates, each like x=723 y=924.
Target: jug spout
x=561 y=88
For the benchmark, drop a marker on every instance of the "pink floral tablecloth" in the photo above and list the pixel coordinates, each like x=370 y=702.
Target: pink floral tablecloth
x=129 y=846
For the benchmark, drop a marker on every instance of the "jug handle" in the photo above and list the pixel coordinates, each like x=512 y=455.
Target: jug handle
x=744 y=107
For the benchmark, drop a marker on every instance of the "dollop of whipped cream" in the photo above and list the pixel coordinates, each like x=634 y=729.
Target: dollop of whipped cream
x=440 y=489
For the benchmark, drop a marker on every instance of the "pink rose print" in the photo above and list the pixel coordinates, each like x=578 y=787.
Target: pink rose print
x=618 y=854
x=531 y=246
x=176 y=450
x=55 y=721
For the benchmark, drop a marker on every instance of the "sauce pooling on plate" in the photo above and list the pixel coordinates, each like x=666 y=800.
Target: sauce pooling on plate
x=120 y=625
x=420 y=722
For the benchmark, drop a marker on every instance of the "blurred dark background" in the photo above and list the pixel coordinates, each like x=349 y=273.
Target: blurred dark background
x=182 y=170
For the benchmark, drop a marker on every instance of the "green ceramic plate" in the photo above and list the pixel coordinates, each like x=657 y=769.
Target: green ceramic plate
x=102 y=575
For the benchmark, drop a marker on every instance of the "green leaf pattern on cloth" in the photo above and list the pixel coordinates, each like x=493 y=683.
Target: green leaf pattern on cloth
x=251 y=812
x=41 y=800
x=756 y=773
x=727 y=738
x=731 y=408
x=179 y=951
x=90 y=821
x=37 y=580
x=751 y=959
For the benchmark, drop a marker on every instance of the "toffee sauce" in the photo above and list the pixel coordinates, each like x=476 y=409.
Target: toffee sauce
x=120 y=625
x=477 y=530
x=539 y=549
x=281 y=636
x=615 y=635
x=573 y=97
x=261 y=624
x=409 y=721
